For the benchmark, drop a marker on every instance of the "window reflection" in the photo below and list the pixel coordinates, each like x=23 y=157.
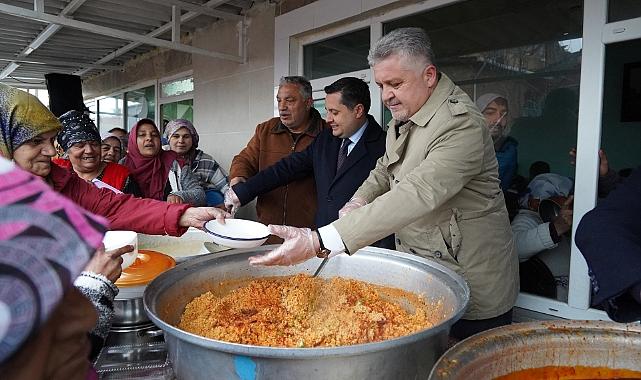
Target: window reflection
x=342 y=54
x=110 y=113
x=140 y=104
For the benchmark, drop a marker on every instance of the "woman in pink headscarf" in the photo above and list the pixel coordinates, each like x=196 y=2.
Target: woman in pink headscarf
x=45 y=242
x=158 y=172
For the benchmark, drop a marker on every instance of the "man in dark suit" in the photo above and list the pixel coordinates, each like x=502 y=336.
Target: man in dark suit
x=340 y=158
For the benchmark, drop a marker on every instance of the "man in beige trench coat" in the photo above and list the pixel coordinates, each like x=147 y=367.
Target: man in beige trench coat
x=436 y=187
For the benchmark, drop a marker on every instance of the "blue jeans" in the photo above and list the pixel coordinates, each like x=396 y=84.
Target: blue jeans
x=214 y=197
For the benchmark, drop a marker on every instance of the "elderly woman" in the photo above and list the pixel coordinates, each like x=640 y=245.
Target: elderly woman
x=112 y=149
x=494 y=108
x=27 y=132
x=46 y=242
x=158 y=172
x=183 y=139
x=80 y=140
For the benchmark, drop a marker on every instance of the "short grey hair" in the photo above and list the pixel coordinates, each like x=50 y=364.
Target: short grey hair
x=408 y=42
x=303 y=84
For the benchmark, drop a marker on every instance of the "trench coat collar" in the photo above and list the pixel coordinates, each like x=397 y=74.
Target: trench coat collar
x=421 y=118
x=443 y=90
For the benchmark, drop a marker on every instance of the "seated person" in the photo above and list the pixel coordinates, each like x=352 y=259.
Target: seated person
x=46 y=242
x=494 y=108
x=80 y=140
x=112 y=149
x=544 y=236
x=609 y=238
x=183 y=139
x=158 y=172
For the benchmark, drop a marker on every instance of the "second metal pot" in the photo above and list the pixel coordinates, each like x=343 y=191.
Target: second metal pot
x=130 y=312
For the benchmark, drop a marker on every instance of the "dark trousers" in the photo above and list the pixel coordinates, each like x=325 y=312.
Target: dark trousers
x=468 y=327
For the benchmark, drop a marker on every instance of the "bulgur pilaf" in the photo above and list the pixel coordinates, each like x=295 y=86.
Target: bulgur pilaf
x=302 y=311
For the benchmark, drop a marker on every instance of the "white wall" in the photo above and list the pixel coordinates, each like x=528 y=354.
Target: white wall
x=230 y=99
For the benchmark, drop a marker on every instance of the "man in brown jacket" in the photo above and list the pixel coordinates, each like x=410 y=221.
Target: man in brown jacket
x=436 y=187
x=295 y=203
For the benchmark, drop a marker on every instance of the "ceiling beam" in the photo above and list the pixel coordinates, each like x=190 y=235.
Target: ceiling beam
x=175 y=21
x=166 y=27
x=43 y=36
x=116 y=33
x=55 y=62
x=202 y=9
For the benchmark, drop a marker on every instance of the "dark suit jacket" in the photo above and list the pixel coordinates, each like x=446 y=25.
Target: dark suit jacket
x=609 y=238
x=319 y=159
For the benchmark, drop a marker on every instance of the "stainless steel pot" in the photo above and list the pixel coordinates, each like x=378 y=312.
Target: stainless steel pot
x=408 y=357
x=129 y=312
x=508 y=349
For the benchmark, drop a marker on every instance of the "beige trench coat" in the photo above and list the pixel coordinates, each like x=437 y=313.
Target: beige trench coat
x=437 y=189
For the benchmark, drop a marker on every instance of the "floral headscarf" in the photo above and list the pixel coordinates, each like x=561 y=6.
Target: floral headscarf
x=22 y=117
x=45 y=242
x=175 y=125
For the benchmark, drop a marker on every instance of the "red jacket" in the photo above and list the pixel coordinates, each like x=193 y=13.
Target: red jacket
x=114 y=175
x=295 y=203
x=123 y=211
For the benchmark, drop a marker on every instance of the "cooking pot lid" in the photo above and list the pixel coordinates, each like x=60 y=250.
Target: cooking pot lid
x=148 y=265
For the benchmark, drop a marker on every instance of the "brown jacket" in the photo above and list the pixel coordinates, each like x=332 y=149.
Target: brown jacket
x=295 y=203
x=437 y=188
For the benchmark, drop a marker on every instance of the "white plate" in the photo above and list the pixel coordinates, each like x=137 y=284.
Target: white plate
x=192 y=243
x=238 y=233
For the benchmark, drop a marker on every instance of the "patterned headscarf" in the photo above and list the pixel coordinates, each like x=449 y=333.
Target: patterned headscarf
x=45 y=242
x=175 y=125
x=77 y=127
x=22 y=117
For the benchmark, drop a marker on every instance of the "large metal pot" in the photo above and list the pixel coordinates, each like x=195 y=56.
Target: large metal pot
x=520 y=346
x=409 y=357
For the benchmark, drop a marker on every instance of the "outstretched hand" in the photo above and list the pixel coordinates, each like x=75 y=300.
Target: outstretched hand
x=300 y=245
x=198 y=216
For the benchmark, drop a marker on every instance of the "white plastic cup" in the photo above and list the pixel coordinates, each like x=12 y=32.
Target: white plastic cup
x=117 y=239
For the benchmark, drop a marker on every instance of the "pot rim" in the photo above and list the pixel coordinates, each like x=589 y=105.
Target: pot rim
x=473 y=349
x=303 y=353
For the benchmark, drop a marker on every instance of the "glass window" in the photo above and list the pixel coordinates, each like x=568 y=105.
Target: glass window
x=619 y=10
x=183 y=109
x=342 y=54
x=110 y=113
x=93 y=110
x=529 y=53
x=177 y=87
x=620 y=132
x=141 y=104
x=319 y=104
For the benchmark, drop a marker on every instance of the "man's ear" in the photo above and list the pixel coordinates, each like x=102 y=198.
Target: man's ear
x=359 y=111
x=308 y=103
x=430 y=75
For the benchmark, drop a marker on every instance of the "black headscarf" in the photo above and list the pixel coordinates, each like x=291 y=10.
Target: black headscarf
x=77 y=127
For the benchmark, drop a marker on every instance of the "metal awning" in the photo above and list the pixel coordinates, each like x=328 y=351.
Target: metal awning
x=85 y=37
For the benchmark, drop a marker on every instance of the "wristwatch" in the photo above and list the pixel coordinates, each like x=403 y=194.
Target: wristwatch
x=324 y=251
